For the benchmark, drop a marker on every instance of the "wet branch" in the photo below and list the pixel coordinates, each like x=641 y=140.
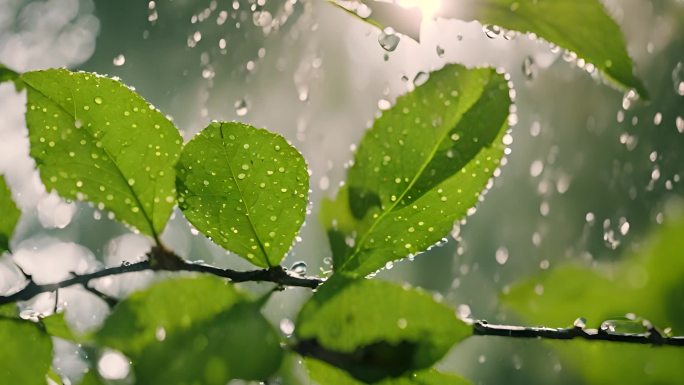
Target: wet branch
x=160 y=259
x=651 y=337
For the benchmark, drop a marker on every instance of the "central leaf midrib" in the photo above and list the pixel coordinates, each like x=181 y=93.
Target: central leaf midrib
x=103 y=149
x=408 y=188
x=244 y=203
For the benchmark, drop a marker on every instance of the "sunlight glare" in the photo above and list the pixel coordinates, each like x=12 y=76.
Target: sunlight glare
x=429 y=8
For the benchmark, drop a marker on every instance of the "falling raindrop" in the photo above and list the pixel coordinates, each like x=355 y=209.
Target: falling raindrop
x=678 y=78
x=529 y=68
x=241 y=107
x=388 y=39
x=119 y=60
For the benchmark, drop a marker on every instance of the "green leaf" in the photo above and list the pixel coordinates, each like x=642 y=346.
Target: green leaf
x=375 y=329
x=97 y=140
x=325 y=374
x=26 y=353
x=647 y=283
x=166 y=307
x=7 y=75
x=581 y=26
x=421 y=166
x=91 y=378
x=56 y=326
x=245 y=188
x=9 y=217
x=52 y=375
x=237 y=343
x=9 y=310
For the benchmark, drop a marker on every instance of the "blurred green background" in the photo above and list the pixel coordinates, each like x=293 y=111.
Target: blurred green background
x=590 y=175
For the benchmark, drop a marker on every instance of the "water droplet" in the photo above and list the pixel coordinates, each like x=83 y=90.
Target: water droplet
x=119 y=60
x=420 y=78
x=241 y=176
x=388 y=39
x=580 y=322
x=384 y=104
x=98 y=100
x=241 y=107
x=529 y=68
x=491 y=31
x=501 y=255
x=287 y=326
x=299 y=267
x=678 y=78
x=440 y=51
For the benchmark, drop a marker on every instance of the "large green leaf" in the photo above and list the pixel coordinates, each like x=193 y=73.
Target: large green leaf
x=26 y=353
x=375 y=329
x=421 y=166
x=197 y=329
x=97 y=140
x=56 y=326
x=325 y=374
x=245 y=188
x=7 y=75
x=9 y=215
x=649 y=284
x=165 y=308
x=237 y=343
x=581 y=26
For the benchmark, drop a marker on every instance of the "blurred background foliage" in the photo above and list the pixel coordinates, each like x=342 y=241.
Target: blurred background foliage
x=563 y=233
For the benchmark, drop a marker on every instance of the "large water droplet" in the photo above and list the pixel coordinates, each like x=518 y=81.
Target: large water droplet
x=491 y=31
x=299 y=267
x=388 y=39
x=529 y=68
x=119 y=60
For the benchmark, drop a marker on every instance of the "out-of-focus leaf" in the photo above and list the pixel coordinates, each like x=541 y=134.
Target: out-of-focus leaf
x=375 y=329
x=648 y=283
x=421 y=166
x=9 y=310
x=7 y=75
x=97 y=140
x=167 y=307
x=237 y=343
x=52 y=375
x=245 y=188
x=91 y=378
x=9 y=215
x=56 y=326
x=325 y=374
x=26 y=353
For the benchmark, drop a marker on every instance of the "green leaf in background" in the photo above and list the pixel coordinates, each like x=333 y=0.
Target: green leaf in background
x=419 y=169
x=97 y=140
x=581 y=26
x=9 y=310
x=25 y=353
x=7 y=75
x=194 y=328
x=91 y=378
x=56 y=326
x=325 y=374
x=168 y=306
x=648 y=283
x=245 y=188
x=237 y=343
x=375 y=329
x=9 y=215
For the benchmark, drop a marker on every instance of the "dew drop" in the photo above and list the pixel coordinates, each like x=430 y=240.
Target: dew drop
x=388 y=39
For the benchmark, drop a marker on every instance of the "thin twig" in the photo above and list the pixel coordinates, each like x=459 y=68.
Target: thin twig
x=276 y=275
x=650 y=337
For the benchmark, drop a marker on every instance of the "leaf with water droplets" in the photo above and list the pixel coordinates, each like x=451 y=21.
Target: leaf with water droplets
x=385 y=14
x=324 y=373
x=421 y=166
x=95 y=139
x=374 y=329
x=26 y=352
x=9 y=215
x=245 y=188
x=581 y=26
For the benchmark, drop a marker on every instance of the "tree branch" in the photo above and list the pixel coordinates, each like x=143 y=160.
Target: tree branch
x=650 y=337
x=162 y=260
